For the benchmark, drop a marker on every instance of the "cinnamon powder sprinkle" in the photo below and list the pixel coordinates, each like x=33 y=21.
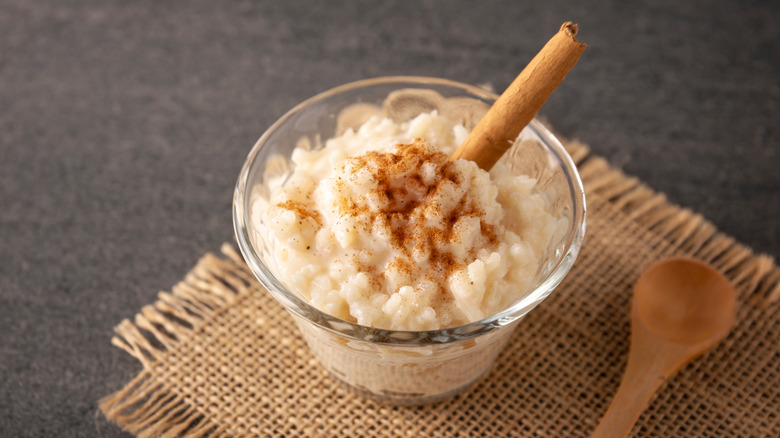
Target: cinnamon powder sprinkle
x=301 y=211
x=409 y=204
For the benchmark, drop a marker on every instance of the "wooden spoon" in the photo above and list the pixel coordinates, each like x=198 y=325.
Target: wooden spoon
x=681 y=308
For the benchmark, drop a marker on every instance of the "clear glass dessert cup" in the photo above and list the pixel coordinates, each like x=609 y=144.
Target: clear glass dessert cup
x=405 y=367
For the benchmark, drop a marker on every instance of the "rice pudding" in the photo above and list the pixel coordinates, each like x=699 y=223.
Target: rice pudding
x=378 y=227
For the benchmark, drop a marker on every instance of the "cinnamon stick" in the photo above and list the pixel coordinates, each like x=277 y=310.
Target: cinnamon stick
x=518 y=105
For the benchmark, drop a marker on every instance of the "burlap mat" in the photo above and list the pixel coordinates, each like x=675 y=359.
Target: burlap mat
x=221 y=358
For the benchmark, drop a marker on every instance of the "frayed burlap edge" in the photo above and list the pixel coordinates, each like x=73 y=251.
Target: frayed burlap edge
x=145 y=406
x=681 y=227
x=148 y=408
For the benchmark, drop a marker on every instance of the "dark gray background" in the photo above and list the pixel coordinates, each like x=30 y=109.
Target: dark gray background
x=123 y=126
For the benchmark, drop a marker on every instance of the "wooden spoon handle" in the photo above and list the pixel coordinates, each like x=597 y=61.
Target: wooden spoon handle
x=651 y=362
x=632 y=397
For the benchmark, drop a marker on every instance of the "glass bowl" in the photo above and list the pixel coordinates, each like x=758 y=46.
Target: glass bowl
x=405 y=367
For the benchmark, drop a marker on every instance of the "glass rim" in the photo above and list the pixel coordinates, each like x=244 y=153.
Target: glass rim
x=300 y=307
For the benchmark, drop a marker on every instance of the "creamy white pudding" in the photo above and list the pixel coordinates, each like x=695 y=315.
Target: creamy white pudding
x=378 y=227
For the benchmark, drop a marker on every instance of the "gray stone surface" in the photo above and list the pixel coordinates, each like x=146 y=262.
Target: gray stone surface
x=123 y=126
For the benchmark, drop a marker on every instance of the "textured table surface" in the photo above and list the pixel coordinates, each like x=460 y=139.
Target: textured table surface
x=123 y=126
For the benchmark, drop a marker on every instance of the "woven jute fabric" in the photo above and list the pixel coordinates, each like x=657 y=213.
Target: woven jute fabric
x=221 y=358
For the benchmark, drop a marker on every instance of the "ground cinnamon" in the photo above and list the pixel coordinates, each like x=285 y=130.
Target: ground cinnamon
x=408 y=202
x=518 y=105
